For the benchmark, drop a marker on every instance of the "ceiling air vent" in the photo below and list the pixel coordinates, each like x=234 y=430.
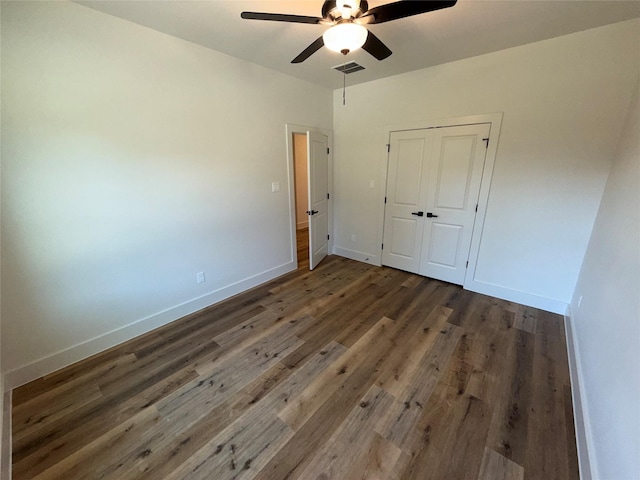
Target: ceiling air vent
x=348 y=67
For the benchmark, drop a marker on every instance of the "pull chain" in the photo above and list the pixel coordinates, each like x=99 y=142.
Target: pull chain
x=344 y=87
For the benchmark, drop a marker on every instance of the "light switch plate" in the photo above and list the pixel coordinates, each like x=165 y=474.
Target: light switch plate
x=275 y=186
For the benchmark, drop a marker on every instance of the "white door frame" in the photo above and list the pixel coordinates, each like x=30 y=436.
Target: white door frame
x=495 y=119
x=302 y=129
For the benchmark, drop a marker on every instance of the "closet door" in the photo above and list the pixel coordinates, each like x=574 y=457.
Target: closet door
x=433 y=185
x=406 y=198
x=456 y=167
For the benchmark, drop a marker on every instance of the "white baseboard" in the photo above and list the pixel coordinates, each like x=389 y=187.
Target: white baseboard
x=62 y=358
x=523 y=298
x=584 y=439
x=356 y=255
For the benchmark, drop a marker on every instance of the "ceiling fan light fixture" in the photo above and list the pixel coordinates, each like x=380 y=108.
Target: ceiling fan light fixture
x=345 y=37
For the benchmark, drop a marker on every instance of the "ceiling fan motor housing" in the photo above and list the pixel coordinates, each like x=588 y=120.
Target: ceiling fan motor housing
x=331 y=11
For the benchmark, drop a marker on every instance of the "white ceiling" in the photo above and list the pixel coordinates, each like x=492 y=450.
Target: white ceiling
x=470 y=28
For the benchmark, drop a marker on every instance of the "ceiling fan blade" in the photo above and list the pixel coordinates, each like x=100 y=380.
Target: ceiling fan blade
x=281 y=17
x=402 y=9
x=375 y=47
x=310 y=50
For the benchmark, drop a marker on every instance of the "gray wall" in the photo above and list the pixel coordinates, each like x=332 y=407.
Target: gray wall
x=606 y=317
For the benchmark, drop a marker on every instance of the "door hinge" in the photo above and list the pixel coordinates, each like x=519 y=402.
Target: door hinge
x=382 y=247
x=476 y=207
x=328 y=236
x=329 y=196
x=467 y=265
x=385 y=199
x=327 y=150
x=388 y=147
x=486 y=140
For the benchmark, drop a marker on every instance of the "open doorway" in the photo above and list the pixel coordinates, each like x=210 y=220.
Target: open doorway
x=310 y=170
x=301 y=175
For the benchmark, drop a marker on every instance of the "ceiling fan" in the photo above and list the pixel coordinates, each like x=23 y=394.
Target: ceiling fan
x=347 y=19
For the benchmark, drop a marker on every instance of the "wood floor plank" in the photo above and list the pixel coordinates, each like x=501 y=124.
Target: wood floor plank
x=434 y=429
x=247 y=331
x=347 y=372
x=304 y=405
x=86 y=413
x=50 y=387
x=41 y=451
x=459 y=303
x=405 y=411
x=508 y=431
x=398 y=372
x=269 y=392
x=525 y=319
x=386 y=304
x=546 y=417
x=426 y=443
x=296 y=454
x=198 y=329
x=347 y=445
x=496 y=467
x=345 y=321
x=33 y=416
x=238 y=451
x=490 y=359
x=301 y=378
x=466 y=448
x=81 y=464
x=377 y=460
x=269 y=403
x=214 y=386
x=173 y=450
x=148 y=370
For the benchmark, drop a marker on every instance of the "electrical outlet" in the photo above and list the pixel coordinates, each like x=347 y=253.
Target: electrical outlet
x=353 y=237
x=200 y=277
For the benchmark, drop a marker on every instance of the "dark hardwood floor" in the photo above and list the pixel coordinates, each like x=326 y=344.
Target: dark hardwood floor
x=302 y=237
x=347 y=372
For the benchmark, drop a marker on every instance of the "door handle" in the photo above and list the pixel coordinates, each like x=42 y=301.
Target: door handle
x=418 y=214
x=431 y=215
x=312 y=212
